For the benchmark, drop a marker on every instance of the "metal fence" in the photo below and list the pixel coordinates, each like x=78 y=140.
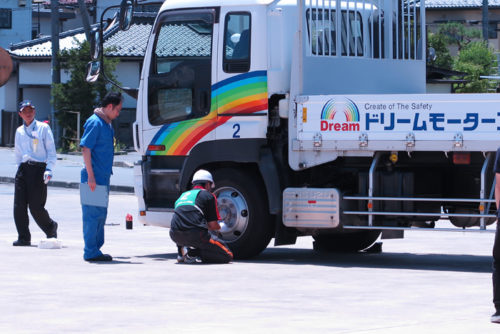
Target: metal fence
x=388 y=29
x=10 y=122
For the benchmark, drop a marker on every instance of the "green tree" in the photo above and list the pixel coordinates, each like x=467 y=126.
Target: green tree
x=77 y=94
x=476 y=59
x=455 y=33
x=474 y=56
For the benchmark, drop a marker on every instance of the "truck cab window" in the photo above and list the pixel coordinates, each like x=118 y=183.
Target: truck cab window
x=237 y=44
x=179 y=82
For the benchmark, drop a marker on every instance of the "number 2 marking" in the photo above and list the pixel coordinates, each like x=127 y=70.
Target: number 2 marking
x=237 y=127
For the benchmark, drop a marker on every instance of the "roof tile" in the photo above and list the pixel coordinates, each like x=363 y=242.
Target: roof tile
x=459 y=3
x=130 y=43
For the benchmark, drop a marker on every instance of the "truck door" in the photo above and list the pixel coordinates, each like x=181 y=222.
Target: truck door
x=178 y=98
x=241 y=91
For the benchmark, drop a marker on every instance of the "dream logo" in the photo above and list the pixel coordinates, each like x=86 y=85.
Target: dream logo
x=340 y=114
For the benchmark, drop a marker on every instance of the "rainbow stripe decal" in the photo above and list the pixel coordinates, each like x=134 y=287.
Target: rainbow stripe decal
x=242 y=94
x=344 y=105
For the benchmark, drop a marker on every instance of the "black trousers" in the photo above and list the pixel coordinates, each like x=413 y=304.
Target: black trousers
x=30 y=191
x=211 y=248
x=496 y=268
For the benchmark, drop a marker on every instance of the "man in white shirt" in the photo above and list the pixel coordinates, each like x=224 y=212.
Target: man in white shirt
x=35 y=157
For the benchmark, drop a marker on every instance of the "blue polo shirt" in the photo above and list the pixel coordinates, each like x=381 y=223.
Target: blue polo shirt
x=98 y=137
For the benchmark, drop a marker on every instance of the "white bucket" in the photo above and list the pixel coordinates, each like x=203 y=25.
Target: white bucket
x=51 y=243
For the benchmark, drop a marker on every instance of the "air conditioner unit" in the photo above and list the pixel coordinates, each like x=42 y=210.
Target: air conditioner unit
x=22 y=3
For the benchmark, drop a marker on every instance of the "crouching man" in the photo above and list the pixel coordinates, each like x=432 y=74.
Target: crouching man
x=194 y=224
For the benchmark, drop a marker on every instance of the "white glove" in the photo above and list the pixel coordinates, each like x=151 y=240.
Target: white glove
x=47 y=176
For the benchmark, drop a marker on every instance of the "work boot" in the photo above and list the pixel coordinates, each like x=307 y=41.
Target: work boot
x=496 y=317
x=53 y=231
x=21 y=243
x=192 y=256
x=191 y=259
x=101 y=258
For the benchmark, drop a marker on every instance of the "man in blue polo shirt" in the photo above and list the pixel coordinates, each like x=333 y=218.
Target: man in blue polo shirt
x=98 y=151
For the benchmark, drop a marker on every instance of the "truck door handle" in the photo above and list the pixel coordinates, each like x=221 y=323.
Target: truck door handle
x=135 y=132
x=203 y=100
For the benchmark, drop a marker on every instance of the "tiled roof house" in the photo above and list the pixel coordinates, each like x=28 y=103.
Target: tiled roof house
x=127 y=45
x=32 y=61
x=468 y=12
x=450 y=4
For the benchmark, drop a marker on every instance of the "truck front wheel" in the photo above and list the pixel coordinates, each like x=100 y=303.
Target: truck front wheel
x=243 y=208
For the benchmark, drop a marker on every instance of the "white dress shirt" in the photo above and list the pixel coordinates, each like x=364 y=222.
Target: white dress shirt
x=35 y=143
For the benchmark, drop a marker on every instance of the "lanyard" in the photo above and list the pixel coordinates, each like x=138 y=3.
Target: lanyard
x=26 y=129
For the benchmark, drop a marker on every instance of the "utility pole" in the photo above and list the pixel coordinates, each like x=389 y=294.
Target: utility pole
x=56 y=73
x=85 y=18
x=485 y=21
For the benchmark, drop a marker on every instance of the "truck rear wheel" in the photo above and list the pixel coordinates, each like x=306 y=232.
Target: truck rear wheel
x=242 y=205
x=464 y=222
x=345 y=242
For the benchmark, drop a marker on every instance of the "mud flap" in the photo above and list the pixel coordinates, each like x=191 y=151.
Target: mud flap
x=284 y=235
x=393 y=234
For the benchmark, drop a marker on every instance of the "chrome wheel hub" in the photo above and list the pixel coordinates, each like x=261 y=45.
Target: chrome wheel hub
x=233 y=211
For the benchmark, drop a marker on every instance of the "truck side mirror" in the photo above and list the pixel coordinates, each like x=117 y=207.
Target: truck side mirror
x=93 y=71
x=95 y=44
x=125 y=16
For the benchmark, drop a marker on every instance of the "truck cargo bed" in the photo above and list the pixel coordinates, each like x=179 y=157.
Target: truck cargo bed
x=329 y=126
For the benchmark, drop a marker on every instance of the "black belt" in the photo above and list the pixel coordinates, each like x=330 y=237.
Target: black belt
x=35 y=163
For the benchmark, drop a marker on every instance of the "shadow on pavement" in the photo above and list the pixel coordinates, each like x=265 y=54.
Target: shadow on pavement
x=160 y=257
x=435 y=262
x=294 y=256
x=116 y=260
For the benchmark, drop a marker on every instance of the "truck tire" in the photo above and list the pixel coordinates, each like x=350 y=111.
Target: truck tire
x=345 y=242
x=242 y=204
x=464 y=222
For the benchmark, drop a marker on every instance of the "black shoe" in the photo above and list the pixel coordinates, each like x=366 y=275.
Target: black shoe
x=101 y=258
x=53 y=231
x=21 y=243
x=496 y=317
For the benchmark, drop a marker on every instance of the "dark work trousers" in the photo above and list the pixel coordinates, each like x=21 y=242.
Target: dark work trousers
x=31 y=191
x=496 y=268
x=211 y=248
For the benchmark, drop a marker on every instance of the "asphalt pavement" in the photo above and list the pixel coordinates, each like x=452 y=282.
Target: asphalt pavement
x=66 y=173
x=429 y=282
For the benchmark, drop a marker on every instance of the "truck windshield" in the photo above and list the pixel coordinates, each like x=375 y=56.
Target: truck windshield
x=180 y=72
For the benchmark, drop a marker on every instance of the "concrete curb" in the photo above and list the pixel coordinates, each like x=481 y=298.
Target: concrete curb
x=73 y=185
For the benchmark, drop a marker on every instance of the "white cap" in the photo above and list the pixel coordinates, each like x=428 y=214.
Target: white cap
x=202 y=176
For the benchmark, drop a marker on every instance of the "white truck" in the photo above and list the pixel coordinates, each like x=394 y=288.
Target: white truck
x=313 y=117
